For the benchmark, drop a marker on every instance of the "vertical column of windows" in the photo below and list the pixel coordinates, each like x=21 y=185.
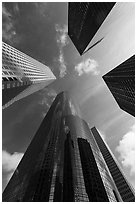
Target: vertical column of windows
x=93 y=182
x=79 y=190
x=107 y=181
x=57 y=131
x=51 y=195
x=99 y=161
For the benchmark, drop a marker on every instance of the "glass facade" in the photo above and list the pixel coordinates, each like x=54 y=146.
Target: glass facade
x=21 y=75
x=125 y=190
x=84 y=20
x=63 y=162
x=121 y=83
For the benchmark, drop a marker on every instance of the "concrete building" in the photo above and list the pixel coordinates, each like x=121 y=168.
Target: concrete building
x=21 y=75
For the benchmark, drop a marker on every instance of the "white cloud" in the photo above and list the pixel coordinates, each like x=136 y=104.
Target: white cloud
x=62 y=41
x=10 y=161
x=63 y=66
x=87 y=66
x=126 y=149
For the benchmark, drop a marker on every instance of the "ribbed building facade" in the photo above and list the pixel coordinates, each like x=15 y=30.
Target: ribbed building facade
x=21 y=75
x=63 y=162
x=121 y=83
x=125 y=190
x=84 y=20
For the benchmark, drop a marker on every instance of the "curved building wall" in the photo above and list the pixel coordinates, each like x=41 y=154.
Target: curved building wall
x=62 y=163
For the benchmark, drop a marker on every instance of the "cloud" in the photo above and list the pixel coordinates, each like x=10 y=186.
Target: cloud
x=10 y=163
x=63 y=67
x=8 y=30
x=62 y=41
x=47 y=97
x=87 y=66
x=126 y=149
x=62 y=38
x=9 y=24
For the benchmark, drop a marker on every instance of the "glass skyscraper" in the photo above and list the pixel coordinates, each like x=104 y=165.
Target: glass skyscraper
x=121 y=83
x=63 y=163
x=21 y=75
x=84 y=20
x=124 y=188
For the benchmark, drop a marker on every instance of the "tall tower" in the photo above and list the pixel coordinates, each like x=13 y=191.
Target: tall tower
x=63 y=162
x=124 y=188
x=121 y=83
x=21 y=75
x=84 y=20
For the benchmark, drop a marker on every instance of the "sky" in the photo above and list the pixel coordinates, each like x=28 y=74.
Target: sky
x=40 y=31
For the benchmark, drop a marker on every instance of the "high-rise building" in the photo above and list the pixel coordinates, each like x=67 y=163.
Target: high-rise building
x=121 y=83
x=21 y=75
x=63 y=162
x=124 y=188
x=84 y=20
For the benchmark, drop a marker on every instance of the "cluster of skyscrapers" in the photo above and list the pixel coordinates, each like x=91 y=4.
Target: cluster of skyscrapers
x=82 y=28
x=67 y=161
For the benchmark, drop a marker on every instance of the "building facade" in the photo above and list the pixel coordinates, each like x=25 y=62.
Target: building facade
x=84 y=20
x=21 y=75
x=121 y=83
x=125 y=190
x=63 y=162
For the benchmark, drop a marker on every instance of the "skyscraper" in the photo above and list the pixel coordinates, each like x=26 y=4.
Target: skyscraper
x=124 y=188
x=121 y=83
x=21 y=75
x=63 y=162
x=84 y=20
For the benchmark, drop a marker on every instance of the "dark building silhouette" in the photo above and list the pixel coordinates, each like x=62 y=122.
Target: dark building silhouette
x=84 y=20
x=121 y=83
x=63 y=162
x=124 y=188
